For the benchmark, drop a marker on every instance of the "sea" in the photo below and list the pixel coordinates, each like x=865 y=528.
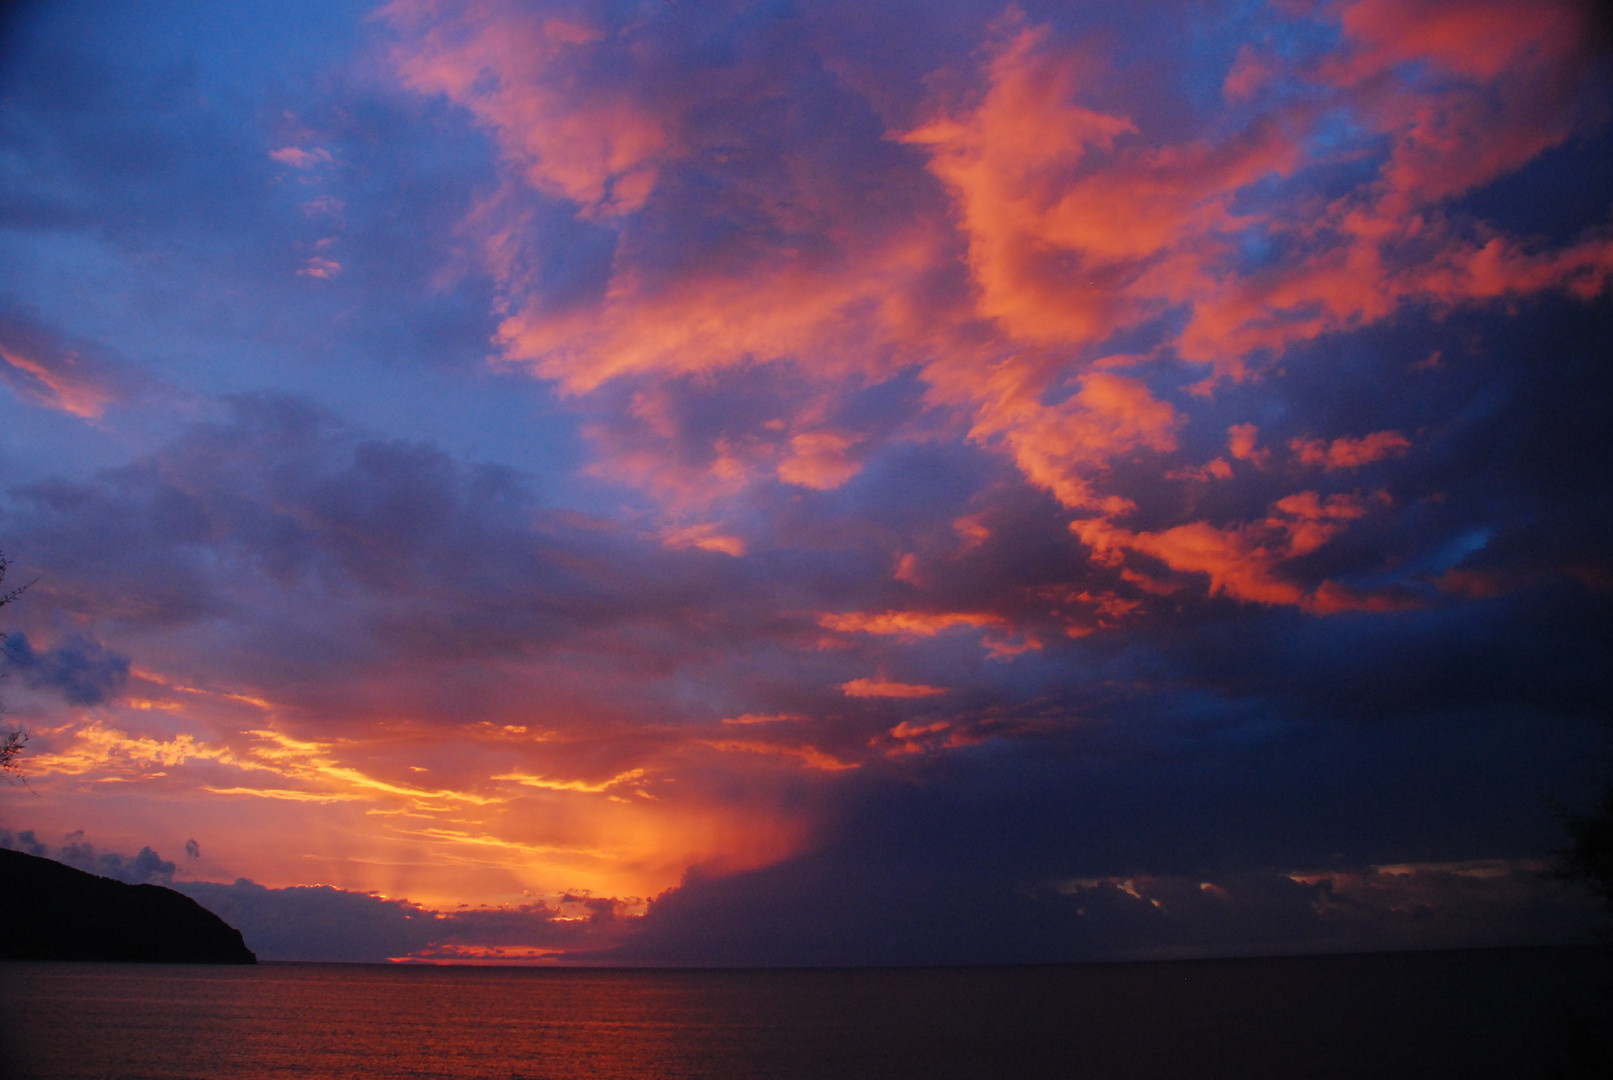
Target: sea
x=1512 y=1013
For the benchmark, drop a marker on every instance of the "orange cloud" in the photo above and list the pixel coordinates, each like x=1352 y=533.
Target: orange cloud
x=907 y=729
x=551 y=784
x=1240 y=560
x=884 y=688
x=912 y=624
x=1331 y=598
x=1060 y=219
x=1481 y=39
x=1215 y=469
x=1241 y=445
x=762 y=718
x=818 y=459
x=972 y=531
x=838 y=310
x=1348 y=453
x=1078 y=225
x=706 y=537
x=809 y=756
x=518 y=71
x=1063 y=447
x=1004 y=160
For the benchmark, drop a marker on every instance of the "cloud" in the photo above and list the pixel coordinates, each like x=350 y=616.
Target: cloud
x=888 y=688
x=328 y=925
x=851 y=905
x=1209 y=240
x=1008 y=435
x=383 y=581
x=75 y=376
x=603 y=157
x=146 y=867
x=572 y=785
x=321 y=268
x=1241 y=445
x=24 y=841
x=81 y=669
x=1242 y=561
x=1061 y=448
x=912 y=624
x=706 y=537
x=1348 y=453
x=316 y=922
x=298 y=158
x=323 y=924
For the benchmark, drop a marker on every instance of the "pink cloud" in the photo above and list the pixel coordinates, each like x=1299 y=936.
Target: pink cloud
x=298 y=158
x=318 y=267
x=57 y=383
x=76 y=376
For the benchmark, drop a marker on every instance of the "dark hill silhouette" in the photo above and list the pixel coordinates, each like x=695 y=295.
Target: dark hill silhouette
x=54 y=912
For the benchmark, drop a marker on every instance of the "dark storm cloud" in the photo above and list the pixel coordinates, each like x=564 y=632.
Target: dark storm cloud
x=145 y=867
x=80 y=669
x=1090 y=848
x=807 y=913
x=334 y=925
x=316 y=922
x=24 y=841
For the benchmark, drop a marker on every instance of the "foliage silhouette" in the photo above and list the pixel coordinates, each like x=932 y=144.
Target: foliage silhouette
x=12 y=742
x=1587 y=860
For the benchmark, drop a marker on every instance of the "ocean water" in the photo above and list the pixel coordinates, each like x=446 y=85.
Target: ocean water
x=1493 y=1013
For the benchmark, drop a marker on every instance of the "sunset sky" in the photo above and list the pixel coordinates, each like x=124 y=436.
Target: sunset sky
x=709 y=481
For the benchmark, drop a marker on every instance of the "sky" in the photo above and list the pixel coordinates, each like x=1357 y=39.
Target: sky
x=759 y=482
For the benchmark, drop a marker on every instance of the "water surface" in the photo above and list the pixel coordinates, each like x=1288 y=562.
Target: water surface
x=1494 y=1013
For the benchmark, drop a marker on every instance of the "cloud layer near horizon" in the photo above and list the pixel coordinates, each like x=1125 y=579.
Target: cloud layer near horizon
x=928 y=409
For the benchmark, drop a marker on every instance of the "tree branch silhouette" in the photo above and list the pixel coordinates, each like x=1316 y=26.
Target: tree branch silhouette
x=12 y=742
